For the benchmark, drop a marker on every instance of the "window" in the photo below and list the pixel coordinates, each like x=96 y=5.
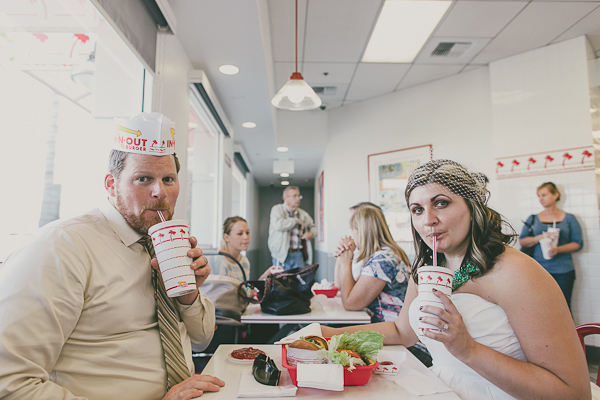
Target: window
x=64 y=75
x=204 y=147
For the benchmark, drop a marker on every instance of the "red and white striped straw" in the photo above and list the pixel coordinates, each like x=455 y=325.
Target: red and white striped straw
x=162 y=218
x=434 y=251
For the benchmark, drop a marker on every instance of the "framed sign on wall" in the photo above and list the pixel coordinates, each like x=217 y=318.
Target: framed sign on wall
x=388 y=174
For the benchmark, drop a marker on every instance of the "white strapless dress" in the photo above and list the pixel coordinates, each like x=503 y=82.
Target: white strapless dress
x=488 y=324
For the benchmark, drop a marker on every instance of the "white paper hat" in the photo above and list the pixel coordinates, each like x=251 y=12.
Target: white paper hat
x=145 y=133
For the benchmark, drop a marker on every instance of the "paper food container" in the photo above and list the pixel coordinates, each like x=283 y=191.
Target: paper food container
x=358 y=376
x=327 y=292
x=389 y=362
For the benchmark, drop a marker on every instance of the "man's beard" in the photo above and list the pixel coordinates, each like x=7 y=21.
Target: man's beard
x=138 y=222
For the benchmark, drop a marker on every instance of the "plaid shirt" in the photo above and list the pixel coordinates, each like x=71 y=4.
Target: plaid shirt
x=295 y=233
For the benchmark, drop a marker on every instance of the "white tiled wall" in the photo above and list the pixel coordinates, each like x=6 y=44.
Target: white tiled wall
x=540 y=102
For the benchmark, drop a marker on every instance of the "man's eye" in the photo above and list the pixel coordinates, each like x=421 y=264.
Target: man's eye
x=168 y=180
x=143 y=179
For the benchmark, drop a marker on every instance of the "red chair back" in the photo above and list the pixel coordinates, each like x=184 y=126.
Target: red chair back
x=588 y=329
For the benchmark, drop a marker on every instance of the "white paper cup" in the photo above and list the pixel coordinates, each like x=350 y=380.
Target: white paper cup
x=171 y=244
x=430 y=278
x=555 y=233
x=546 y=245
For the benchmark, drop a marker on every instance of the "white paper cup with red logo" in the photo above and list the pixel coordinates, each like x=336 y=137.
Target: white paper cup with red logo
x=430 y=278
x=554 y=234
x=171 y=245
x=546 y=245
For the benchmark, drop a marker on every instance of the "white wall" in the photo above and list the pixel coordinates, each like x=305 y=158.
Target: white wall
x=451 y=114
x=541 y=102
x=535 y=101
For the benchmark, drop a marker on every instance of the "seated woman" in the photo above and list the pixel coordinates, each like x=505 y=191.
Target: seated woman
x=383 y=277
x=506 y=330
x=236 y=238
x=384 y=274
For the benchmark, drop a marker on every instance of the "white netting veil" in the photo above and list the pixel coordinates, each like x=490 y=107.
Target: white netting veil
x=451 y=175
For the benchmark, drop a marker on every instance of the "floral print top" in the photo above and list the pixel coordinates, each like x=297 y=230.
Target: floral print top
x=389 y=267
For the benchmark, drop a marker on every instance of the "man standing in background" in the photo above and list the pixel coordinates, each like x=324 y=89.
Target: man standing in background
x=289 y=227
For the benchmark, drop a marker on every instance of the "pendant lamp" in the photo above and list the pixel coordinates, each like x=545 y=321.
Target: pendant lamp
x=296 y=94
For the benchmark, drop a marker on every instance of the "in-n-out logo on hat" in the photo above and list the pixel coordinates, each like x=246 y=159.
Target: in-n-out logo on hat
x=145 y=133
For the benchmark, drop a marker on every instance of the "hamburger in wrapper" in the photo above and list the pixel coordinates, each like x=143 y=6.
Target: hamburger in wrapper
x=307 y=350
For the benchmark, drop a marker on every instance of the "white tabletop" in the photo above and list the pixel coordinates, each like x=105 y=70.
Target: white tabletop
x=333 y=313
x=378 y=386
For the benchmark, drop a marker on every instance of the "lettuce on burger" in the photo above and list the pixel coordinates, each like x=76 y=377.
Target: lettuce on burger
x=356 y=349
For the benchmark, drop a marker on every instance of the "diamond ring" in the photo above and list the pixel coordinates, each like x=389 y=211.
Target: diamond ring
x=445 y=327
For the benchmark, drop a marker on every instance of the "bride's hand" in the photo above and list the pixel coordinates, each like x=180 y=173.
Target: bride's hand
x=455 y=337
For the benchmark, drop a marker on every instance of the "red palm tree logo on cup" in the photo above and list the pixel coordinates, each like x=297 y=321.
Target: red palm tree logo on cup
x=182 y=234
x=171 y=233
x=160 y=236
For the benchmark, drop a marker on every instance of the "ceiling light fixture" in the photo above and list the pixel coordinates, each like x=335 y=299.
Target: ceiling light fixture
x=296 y=94
x=282 y=149
x=284 y=175
x=402 y=29
x=249 y=125
x=284 y=183
x=228 y=69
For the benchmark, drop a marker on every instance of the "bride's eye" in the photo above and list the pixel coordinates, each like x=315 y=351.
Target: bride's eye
x=442 y=203
x=416 y=210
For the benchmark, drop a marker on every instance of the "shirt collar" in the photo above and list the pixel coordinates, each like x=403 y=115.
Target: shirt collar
x=290 y=211
x=118 y=224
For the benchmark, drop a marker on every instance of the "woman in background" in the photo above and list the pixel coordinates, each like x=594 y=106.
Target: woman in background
x=560 y=266
x=236 y=238
x=384 y=275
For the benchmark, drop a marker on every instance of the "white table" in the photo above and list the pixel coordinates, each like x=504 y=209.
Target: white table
x=378 y=386
x=332 y=313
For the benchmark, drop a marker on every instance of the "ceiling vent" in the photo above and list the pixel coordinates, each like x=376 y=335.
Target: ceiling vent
x=451 y=49
x=325 y=90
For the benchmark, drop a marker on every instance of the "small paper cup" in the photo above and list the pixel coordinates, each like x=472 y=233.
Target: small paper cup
x=555 y=232
x=171 y=244
x=546 y=245
x=430 y=278
x=389 y=362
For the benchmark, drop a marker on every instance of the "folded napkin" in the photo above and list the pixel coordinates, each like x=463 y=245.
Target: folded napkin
x=419 y=384
x=318 y=302
x=249 y=387
x=321 y=376
x=312 y=329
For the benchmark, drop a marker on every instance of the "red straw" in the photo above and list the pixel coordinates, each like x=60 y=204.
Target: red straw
x=434 y=251
x=162 y=218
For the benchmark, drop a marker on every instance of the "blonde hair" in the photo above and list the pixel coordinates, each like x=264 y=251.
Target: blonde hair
x=227 y=226
x=373 y=233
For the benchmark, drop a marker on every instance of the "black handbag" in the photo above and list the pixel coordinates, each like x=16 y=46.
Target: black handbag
x=287 y=292
x=529 y=250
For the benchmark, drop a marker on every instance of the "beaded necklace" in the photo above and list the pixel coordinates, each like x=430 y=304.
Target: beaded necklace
x=463 y=274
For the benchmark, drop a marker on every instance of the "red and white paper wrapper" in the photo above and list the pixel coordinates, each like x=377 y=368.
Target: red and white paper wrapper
x=430 y=278
x=302 y=356
x=145 y=133
x=171 y=244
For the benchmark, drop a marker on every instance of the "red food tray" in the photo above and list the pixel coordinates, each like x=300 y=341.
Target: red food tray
x=357 y=377
x=327 y=292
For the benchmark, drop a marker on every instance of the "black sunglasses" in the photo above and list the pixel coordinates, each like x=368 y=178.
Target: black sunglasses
x=265 y=371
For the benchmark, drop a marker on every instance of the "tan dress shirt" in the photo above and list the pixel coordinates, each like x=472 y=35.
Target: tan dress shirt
x=78 y=319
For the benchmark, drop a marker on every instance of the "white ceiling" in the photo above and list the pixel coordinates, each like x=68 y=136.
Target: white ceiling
x=258 y=37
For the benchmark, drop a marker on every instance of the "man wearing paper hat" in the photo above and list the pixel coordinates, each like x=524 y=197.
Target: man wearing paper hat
x=82 y=313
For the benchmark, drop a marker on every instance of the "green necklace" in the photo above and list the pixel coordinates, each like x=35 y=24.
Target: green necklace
x=463 y=274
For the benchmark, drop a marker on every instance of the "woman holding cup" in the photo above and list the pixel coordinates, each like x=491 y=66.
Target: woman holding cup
x=556 y=234
x=506 y=331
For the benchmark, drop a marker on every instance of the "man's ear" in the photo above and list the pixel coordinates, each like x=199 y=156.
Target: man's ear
x=109 y=184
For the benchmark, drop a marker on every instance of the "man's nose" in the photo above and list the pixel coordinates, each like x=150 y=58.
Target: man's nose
x=158 y=190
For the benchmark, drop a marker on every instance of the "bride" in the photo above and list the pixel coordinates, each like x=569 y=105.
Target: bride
x=506 y=331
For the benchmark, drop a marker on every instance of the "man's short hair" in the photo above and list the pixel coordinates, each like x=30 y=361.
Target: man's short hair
x=287 y=189
x=116 y=162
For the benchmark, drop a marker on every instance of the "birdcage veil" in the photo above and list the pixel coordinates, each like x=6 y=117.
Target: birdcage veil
x=450 y=175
